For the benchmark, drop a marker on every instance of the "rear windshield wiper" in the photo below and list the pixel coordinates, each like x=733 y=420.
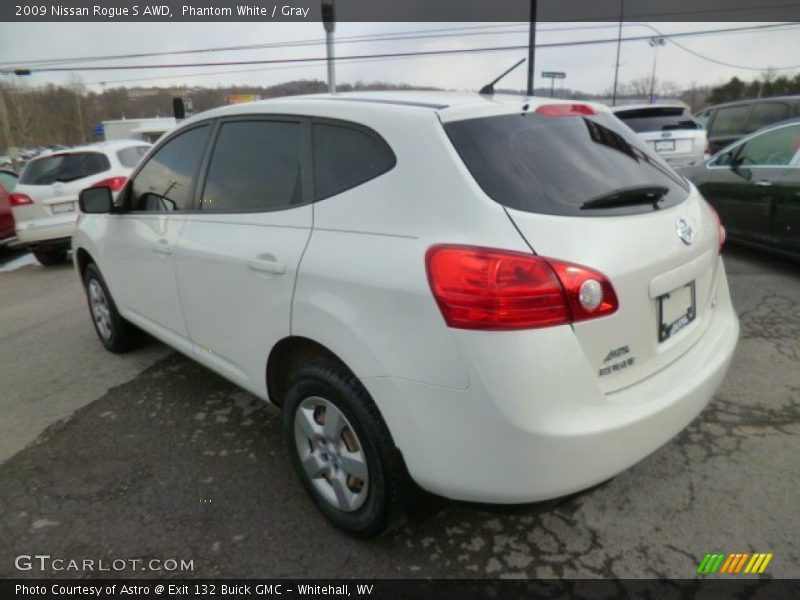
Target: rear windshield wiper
x=640 y=194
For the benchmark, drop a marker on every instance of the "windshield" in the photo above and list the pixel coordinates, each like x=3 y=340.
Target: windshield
x=554 y=165
x=64 y=168
x=658 y=118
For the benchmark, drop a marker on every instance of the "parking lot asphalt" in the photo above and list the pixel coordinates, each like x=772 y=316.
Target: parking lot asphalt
x=149 y=455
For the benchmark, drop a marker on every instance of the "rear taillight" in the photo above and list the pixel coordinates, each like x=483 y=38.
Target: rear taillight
x=485 y=288
x=16 y=199
x=566 y=110
x=720 y=227
x=115 y=183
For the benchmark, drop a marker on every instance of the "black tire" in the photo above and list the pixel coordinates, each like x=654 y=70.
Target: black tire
x=390 y=491
x=123 y=335
x=48 y=258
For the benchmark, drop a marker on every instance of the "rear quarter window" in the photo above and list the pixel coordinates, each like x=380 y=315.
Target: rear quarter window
x=554 y=165
x=346 y=156
x=130 y=157
x=64 y=167
x=731 y=120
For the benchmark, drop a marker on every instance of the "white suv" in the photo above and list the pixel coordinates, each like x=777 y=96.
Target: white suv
x=45 y=201
x=498 y=299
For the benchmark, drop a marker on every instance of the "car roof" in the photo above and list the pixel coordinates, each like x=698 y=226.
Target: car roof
x=795 y=98
x=448 y=106
x=106 y=145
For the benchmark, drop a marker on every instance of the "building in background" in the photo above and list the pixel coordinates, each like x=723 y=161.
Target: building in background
x=147 y=130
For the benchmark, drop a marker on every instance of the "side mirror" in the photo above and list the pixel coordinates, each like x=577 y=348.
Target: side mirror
x=96 y=200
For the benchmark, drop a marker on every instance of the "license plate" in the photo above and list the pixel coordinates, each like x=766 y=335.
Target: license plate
x=64 y=207
x=676 y=310
x=665 y=146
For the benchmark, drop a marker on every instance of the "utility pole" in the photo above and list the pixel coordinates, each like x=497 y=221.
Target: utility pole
x=654 y=43
x=329 y=22
x=619 y=45
x=531 y=47
x=81 y=136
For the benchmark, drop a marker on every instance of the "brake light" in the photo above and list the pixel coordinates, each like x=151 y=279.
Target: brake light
x=115 y=183
x=489 y=289
x=565 y=110
x=16 y=199
x=720 y=227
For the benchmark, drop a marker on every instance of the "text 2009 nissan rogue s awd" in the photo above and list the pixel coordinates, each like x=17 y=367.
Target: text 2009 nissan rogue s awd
x=495 y=299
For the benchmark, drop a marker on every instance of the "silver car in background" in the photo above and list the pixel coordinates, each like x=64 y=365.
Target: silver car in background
x=670 y=129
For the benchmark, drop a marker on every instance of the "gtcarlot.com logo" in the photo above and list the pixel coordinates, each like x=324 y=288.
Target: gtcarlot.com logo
x=734 y=563
x=45 y=562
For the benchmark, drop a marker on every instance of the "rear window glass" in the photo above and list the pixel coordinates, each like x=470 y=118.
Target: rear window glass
x=767 y=113
x=554 y=165
x=130 y=157
x=64 y=167
x=662 y=118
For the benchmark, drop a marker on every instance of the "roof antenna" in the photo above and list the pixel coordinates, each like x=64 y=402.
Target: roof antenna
x=488 y=89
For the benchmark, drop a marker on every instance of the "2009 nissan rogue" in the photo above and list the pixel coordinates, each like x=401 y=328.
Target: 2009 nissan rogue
x=495 y=299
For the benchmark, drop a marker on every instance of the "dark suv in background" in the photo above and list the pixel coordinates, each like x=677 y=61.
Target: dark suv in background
x=726 y=123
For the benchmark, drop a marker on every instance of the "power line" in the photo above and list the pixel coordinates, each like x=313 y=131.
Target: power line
x=388 y=37
x=403 y=54
x=715 y=61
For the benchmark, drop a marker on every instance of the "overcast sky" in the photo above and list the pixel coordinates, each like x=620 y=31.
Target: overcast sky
x=588 y=68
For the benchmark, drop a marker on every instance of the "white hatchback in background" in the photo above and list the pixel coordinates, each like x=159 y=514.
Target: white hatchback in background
x=500 y=299
x=669 y=129
x=45 y=201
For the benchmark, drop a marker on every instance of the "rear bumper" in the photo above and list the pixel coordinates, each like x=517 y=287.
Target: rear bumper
x=49 y=228
x=533 y=423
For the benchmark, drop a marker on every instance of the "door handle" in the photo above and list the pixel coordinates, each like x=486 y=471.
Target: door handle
x=162 y=247
x=764 y=183
x=266 y=263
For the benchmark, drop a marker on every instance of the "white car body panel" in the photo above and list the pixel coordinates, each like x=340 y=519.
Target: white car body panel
x=496 y=416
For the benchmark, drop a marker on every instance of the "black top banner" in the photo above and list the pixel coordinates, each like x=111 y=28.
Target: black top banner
x=400 y=10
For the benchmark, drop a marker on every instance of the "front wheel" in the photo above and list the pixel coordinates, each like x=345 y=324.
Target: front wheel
x=116 y=334
x=343 y=451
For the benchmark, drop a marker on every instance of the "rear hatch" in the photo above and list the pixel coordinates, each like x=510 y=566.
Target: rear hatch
x=54 y=181
x=583 y=189
x=670 y=131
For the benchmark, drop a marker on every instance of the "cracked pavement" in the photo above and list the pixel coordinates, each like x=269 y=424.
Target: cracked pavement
x=164 y=459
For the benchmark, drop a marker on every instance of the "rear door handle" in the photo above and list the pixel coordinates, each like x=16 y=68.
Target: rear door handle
x=266 y=263
x=162 y=247
x=764 y=183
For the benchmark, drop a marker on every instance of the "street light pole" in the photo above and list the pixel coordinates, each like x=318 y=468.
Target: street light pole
x=619 y=45
x=329 y=23
x=531 y=47
x=654 y=42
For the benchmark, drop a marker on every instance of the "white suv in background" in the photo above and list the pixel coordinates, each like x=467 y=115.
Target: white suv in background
x=493 y=299
x=45 y=201
x=669 y=129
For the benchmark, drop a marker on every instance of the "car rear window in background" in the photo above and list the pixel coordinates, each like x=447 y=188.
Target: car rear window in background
x=767 y=113
x=553 y=165
x=661 y=118
x=345 y=157
x=64 y=167
x=130 y=157
x=255 y=166
x=731 y=120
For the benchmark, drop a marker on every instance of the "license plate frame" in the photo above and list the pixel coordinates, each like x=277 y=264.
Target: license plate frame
x=665 y=145
x=671 y=320
x=63 y=208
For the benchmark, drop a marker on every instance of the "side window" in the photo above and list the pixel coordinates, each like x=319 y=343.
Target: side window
x=255 y=166
x=130 y=157
x=767 y=113
x=731 y=120
x=702 y=117
x=345 y=157
x=773 y=148
x=165 y=181
x=8 y=180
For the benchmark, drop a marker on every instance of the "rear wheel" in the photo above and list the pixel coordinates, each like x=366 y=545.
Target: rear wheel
x=115 y=333
x=49 y=258
x=343 y=451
